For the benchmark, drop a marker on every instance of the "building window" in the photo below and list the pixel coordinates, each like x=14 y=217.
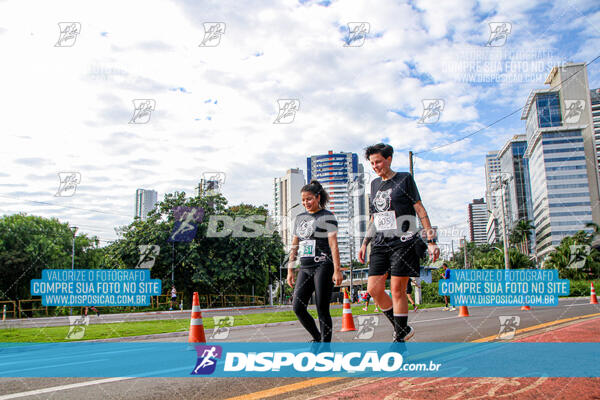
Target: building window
x=548 y=110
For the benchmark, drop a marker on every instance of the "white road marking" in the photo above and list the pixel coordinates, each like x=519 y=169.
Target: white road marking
x=62 y=387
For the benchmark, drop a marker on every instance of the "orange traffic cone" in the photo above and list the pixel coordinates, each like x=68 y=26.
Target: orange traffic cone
x=347 y=320
x=593 y=298
x=525 y=308
x=196 y=326
x=463 y=311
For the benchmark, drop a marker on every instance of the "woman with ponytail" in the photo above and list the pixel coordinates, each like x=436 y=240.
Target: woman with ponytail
x=315 y=243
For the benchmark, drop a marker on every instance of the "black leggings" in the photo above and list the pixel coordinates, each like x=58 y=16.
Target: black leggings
x=318 y=280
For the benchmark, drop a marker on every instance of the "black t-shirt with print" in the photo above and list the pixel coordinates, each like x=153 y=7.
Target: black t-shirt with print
x=398 y=194
x=312 y=230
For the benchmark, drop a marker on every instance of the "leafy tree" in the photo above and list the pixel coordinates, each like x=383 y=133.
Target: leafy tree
x=209 y=265
x=29 y=244
x=569 y=255
x=484 y=256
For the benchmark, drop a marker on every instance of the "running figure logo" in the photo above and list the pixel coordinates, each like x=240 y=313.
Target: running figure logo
x=357 y=34
x=579 y=255
x=77 y=326
x=222 y=327
x=508 y=327
x=212 y=182
x=212 y=34
x=186 y=223
x=499 y=32
x=366 y=326
x=574 y=110
x=142 y=110
x=287 y=111
x=432 y=110
x=207 y=359
x=357 y=183
x=148 y=254
x=68 y=183
x=68 y=34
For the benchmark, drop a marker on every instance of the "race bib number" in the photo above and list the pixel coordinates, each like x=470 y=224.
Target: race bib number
x=307 y=248
x=385 y=220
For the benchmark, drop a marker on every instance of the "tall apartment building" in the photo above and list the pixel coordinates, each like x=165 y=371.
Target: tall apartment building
x=595 y=108
x=560 y=140
x=287 y=201
x=145 y=200
x=477 y=211
x=492 y=169
x=337 y=172
x=517 y=191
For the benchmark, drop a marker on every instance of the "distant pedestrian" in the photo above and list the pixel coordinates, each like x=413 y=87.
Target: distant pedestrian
x=409 y=291
x=94 y=309
x=366 y=297
x=447 y=276
x=173 y=298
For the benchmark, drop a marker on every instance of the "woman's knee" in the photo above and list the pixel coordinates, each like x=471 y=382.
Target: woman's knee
x=298 y=306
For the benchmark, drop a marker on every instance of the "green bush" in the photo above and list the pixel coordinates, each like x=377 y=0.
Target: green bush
x=429 y=291
x=581 y=288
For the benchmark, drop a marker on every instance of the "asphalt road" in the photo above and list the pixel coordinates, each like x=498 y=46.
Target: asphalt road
x=432 y=325
x=147 y=316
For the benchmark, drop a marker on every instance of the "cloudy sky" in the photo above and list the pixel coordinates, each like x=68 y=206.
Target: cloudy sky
x=67 y=103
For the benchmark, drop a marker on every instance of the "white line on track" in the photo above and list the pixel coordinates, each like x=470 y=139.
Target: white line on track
x=62 y=387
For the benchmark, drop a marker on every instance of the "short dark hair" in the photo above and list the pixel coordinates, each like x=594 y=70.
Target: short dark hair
x=380 y=148
x=316 y=189
x=445 y=265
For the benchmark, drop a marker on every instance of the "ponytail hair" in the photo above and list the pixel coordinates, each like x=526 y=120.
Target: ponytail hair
x=316 y=189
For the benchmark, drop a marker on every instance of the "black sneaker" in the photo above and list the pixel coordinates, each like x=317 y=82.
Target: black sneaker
x=409 y=334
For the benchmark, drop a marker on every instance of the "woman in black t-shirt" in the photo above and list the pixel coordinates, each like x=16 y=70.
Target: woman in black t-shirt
x=315 y=243
x=394 y=205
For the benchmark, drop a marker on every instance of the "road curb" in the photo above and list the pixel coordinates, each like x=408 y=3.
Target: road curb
x=186 y=333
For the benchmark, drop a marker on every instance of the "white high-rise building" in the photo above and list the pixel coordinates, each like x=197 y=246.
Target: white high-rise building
x=337 y=172
x=595 y=109
x=287 y=201
x=492 y=169
x=478 y=220
x=560 y=140
x=145 y=200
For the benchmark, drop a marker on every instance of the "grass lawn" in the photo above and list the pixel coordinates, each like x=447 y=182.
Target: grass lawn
x=123 y=329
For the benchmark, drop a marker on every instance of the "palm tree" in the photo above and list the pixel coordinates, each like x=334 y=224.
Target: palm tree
x=521 y=234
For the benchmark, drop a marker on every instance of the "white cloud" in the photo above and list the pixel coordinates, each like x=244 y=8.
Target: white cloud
x=70 y=107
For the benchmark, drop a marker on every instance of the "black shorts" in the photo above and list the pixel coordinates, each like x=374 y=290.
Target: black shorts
x=409 y=288
x=399 y=260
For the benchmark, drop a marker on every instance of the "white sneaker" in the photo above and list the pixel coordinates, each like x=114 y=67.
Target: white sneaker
x=364 y=308
x=446 y=308
x=453 y=308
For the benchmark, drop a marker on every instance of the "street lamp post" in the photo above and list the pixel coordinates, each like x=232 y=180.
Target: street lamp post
x=74 y=230
x=464 y=243
x=501 y=183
